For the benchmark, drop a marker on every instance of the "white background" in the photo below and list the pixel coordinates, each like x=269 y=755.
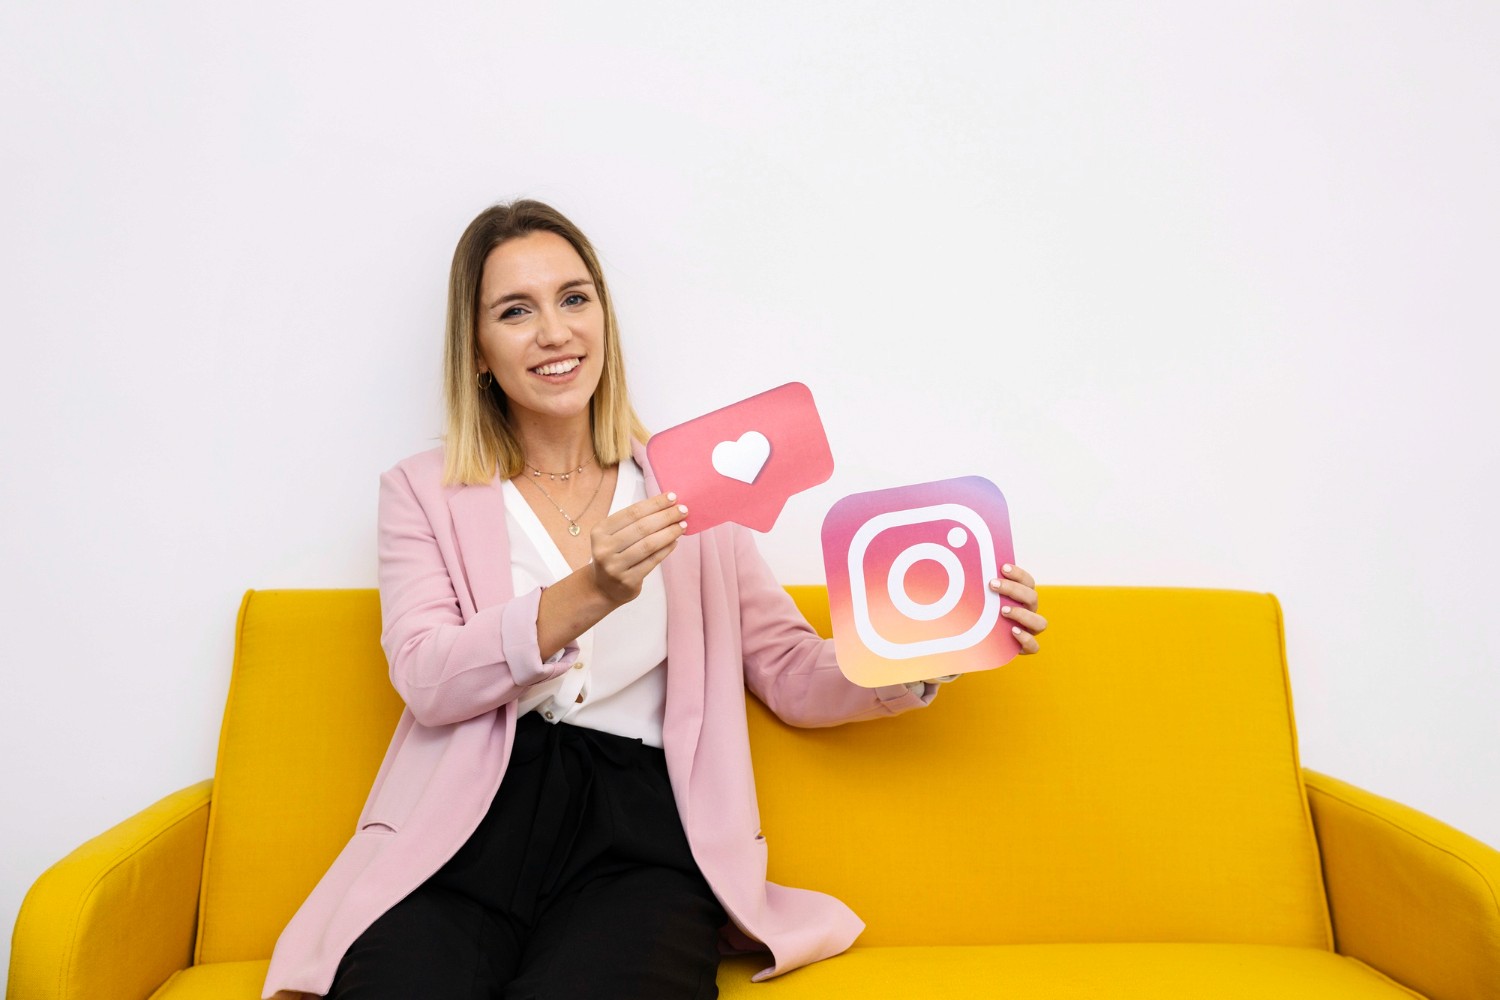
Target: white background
x=1207 y=289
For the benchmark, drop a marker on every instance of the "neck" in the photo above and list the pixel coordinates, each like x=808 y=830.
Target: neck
x=555 y=444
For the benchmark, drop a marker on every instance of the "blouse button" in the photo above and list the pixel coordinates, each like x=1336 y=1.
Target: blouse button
x=547 y=715
x=577 y=664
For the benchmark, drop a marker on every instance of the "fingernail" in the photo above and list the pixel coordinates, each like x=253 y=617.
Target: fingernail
x=1006 y=567
x=1016 y=629
x=682 y=508
x=673 y=496
x=682 y=525
x=1005 y=609
x=995 y=584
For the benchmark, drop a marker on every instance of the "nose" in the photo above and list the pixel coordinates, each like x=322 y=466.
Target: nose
x=551 y=329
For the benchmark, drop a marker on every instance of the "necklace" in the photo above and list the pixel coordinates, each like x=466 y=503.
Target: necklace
x=554 y=476
x=573 y=528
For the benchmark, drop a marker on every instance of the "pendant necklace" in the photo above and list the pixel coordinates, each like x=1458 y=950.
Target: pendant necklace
x=573 y=528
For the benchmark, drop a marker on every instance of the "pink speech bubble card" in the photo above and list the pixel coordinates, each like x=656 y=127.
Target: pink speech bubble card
x=743 y=462
x=908 y=581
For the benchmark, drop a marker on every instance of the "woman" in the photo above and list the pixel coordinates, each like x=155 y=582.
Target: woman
x=561 y=813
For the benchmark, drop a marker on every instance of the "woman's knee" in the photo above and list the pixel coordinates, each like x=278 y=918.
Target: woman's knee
x=647 y=934
x=433 y=943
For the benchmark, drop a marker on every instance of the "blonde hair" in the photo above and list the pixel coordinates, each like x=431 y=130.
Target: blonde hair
x=480 y=436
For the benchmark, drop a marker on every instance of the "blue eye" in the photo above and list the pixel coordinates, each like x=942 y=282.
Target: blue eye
x=575 y=295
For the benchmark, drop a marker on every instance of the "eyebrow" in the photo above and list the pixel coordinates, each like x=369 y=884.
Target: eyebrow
x=512 y=296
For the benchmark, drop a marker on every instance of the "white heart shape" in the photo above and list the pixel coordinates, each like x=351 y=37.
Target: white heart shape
x=742 y=459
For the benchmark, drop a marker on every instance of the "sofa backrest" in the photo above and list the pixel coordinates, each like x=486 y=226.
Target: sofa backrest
x=308 y=718
x=1137 y=780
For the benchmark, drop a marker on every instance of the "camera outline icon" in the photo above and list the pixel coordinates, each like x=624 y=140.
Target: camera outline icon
x=978 y=533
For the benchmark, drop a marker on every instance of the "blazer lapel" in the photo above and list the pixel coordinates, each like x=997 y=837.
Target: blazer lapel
x=478 y=512
x=681 y=574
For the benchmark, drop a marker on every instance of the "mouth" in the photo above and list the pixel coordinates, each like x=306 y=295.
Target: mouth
x=558 y=368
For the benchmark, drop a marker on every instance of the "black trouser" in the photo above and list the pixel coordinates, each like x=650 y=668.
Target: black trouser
x=578 y=883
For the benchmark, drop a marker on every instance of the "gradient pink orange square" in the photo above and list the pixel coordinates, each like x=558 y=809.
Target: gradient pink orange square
x=908 y=581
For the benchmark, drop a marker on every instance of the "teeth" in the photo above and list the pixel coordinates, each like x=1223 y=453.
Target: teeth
x=557 y=367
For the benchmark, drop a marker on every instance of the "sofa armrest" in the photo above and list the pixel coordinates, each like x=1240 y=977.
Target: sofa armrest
x=1409 y=895
x=116 y=917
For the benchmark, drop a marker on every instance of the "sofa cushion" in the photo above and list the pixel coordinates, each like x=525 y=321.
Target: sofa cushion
x=1053 y=971
x=1070 y=972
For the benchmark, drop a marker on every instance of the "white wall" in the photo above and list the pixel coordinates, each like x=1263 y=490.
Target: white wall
x=1207 y=289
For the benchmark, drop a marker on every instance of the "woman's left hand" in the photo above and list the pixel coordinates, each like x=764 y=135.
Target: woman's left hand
x=1021 y=610
x=1019 y=586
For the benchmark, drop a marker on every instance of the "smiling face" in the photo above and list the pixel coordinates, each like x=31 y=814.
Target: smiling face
x=540 y=326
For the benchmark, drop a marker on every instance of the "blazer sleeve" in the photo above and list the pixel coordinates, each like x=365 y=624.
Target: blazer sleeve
x=444 y=668
x=791 y=668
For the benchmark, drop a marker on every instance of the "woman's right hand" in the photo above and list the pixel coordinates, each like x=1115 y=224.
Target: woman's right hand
x=631 y=543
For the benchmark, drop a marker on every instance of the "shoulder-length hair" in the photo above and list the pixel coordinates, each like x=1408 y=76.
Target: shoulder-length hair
x=480 y=438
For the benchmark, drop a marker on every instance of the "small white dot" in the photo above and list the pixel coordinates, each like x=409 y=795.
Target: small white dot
x=957 y=537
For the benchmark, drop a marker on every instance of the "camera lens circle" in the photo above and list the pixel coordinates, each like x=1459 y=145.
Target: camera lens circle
x=902 y=564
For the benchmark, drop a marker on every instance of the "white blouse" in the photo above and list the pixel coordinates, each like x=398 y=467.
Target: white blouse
x=619 y=682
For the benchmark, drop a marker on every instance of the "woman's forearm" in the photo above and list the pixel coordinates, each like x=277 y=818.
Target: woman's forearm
x=569 y=608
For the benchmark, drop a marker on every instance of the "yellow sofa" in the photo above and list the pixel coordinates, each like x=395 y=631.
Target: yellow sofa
x=1121 y=815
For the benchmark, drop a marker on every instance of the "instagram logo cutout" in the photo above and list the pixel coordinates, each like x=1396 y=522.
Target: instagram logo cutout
x=908 y=581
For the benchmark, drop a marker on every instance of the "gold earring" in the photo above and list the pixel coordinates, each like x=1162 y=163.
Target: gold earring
x=484 y=385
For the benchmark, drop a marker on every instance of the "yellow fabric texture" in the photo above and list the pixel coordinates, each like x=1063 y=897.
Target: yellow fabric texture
x=115 y=917
x=1410 y=895
x=1136 y=784
x=309 y=715
x=1109 y=788
x=1030 y=971
x=1118 y=971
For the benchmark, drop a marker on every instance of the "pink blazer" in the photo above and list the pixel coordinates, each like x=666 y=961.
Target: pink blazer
x=462 y=647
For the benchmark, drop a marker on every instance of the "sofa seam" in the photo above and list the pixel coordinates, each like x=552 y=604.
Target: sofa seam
x=166 y=984
x=1381 y=975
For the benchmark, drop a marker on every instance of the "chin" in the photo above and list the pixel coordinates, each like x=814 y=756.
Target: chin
x=562 y=408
